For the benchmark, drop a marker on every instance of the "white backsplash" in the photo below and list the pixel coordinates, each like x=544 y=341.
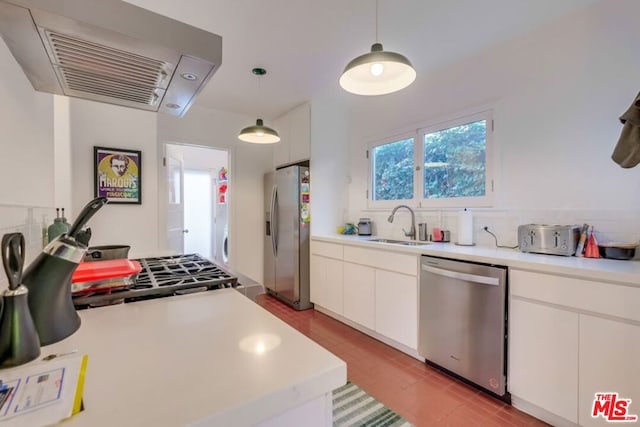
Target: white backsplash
x=28 y=220
x=609 y=226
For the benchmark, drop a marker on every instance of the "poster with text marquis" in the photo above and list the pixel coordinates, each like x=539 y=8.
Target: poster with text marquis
x=117 y=174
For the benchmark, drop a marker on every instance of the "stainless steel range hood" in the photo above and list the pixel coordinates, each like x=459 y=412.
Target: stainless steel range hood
x=110 y=51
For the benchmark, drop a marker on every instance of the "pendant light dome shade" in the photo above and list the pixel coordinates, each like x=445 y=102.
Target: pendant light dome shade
x=259 y=134
x=377 y=73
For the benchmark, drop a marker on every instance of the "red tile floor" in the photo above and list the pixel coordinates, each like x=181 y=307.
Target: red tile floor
x=421 y=394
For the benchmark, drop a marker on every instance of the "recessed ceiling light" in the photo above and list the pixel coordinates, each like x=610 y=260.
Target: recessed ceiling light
x=189 y=76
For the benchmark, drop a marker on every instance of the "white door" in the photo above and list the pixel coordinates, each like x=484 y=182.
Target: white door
x=174 y=178
x=198 y=213
x=359 y=294
x=543 y=357
x=397 y=307
x=609 y=363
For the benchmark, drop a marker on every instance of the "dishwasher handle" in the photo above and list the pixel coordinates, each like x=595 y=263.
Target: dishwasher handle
x=483 y=280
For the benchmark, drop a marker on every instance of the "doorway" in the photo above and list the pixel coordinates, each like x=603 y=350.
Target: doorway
x=196 y=202
x=198 y=213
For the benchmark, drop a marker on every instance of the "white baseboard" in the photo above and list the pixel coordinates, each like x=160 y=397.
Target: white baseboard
x=540 y=413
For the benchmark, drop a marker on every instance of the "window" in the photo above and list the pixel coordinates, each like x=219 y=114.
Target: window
x=393 y=170
x=454 y=161
x=443 y=165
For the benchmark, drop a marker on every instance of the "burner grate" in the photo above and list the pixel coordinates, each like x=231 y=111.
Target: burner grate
x=164 y=276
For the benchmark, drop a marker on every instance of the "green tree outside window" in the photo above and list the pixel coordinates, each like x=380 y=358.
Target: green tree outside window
x=454 y=161
x=393 y=170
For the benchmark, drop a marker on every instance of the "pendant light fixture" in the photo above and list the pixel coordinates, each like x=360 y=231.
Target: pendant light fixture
x=259 y=134
x=377 y=72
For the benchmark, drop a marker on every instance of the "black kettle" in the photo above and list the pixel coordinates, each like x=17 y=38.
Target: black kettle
x=18 y=337
x=48 y=279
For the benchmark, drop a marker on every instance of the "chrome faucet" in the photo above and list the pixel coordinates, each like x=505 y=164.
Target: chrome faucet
x=412 y=231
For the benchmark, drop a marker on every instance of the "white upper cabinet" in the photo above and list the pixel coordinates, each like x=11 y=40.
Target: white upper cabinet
x=294 y=128
x=281 y=149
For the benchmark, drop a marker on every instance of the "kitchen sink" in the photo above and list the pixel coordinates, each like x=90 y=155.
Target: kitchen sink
x=399 y=242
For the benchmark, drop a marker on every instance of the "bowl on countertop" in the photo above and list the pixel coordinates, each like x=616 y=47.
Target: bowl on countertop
x=617 y=250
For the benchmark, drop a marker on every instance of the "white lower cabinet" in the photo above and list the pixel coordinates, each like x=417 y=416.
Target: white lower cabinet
x=609 y=362
x=326 y=283
x=370 y=287
x=570 y=338
x=396 y=313
x=543 y=357
x=359 y=294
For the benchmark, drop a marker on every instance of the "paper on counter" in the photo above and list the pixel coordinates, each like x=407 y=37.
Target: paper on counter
x=43 y=393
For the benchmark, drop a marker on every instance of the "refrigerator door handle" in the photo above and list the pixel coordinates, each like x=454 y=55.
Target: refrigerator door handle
x=274 y=220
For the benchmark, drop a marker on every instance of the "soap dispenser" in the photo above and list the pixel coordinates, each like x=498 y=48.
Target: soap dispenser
x=59 y=226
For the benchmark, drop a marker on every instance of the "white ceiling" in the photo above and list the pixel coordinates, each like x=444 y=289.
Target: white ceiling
x=305 y=44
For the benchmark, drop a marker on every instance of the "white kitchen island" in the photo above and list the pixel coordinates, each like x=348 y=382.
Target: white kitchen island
x=206 y=359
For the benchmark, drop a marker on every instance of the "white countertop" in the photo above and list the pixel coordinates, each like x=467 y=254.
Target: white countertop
x=178 y=361
x=626 y=272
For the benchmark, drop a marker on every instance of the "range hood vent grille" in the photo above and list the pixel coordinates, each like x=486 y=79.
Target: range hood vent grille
x=91 y=68
x=110 y=51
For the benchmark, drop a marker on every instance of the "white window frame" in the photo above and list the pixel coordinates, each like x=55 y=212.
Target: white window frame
x=417 y=201
x=383 y=204
x=452 y=202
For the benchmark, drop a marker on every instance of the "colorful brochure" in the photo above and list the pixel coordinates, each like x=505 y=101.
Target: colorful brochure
x=42 y=392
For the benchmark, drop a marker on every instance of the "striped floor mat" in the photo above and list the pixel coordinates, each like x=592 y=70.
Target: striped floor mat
x=353 y=407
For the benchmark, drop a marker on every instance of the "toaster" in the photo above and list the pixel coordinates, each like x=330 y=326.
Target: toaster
x=549 y=239
x=364 y=227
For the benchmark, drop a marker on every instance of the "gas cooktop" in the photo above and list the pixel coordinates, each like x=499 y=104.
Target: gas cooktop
x=162 y=277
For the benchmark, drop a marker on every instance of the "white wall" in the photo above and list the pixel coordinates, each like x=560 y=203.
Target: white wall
x=62 y=152
x=248 y=163
x=95 y=124
x=329 y=155
x=26 y=158
x=26 y=146
x=558 y=93
x=196 y=157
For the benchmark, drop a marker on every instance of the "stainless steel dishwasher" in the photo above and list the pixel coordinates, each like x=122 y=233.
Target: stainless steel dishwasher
x=463 y=320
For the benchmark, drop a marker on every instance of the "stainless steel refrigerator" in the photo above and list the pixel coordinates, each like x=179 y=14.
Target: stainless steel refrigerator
x=286 y=235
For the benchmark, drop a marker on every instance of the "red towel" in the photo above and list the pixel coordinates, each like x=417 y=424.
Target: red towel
x=591 y=250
